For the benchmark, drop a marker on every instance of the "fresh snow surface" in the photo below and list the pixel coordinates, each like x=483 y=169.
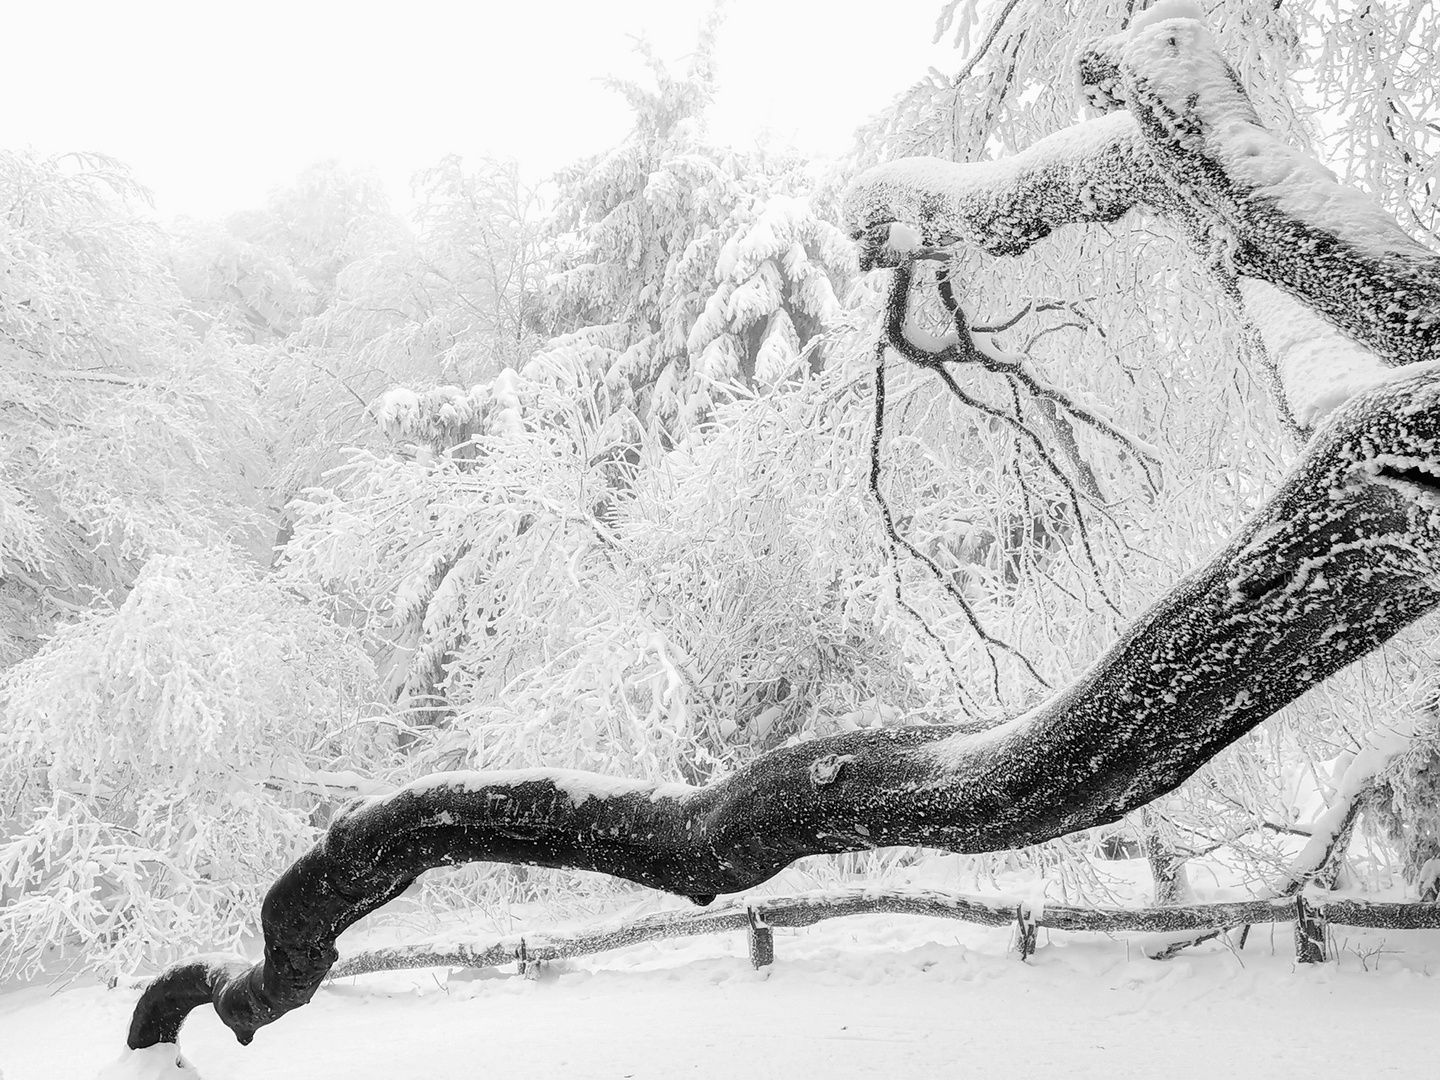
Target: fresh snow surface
x=905 y=238
x=1166 y=9
x=163 y=1062
x=1320 y=368
x=892 y=996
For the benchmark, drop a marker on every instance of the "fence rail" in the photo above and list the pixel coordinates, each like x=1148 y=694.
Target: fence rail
x=756 y=918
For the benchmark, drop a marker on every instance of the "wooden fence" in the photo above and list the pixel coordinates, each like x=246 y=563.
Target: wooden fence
x=757 y=918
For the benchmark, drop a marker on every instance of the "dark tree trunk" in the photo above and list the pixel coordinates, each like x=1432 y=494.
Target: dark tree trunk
x=1345 y=555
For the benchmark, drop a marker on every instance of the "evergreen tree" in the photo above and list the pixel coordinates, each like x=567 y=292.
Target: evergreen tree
x=684 y=266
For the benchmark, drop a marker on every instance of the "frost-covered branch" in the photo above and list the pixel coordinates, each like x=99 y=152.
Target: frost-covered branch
x=966 y=346
x=1185 y=141
x=1331 y=832
x=1289 y=221
x=960 y=346
x=1345 y=555
x=1096 y=171
x=895 y=540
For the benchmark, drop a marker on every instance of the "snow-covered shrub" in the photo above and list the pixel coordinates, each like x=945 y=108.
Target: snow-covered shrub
x=774 y=291
x=564 y=590
x=162 y=761
x=453 y=300
x=126 y=430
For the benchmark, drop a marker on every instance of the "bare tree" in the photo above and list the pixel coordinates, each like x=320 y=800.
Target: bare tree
x=1342 y=557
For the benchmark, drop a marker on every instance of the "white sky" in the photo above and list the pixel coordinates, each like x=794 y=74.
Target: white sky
x=213 y=105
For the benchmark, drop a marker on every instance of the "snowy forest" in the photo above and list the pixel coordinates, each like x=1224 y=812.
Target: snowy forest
x=691 y=457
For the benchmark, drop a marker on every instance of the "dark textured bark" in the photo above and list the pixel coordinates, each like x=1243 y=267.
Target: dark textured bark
x=1095 y=172
x=761 y=940
x=1027 y=931
x=1345 y=555
x=1167 y=153
x=1364 y=273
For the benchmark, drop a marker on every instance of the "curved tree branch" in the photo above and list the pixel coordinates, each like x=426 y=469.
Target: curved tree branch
x=1189 y=145
x=1096 y=171
x=1292 y=223
x=1345 y=555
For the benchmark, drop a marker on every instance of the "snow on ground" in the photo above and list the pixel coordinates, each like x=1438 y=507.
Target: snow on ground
x=866 y=996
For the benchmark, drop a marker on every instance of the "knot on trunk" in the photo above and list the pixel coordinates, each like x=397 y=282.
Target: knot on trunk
x=826 y=770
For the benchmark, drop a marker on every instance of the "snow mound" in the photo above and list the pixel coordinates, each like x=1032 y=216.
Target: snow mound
x=160 y=1062
x=1320 y=367
x=1166 y=9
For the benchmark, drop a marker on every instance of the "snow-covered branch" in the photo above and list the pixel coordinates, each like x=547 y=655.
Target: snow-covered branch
x=1285 y=217
x=1345 y=555
x=1096 y=171
x=1338 y=290
x=1332 y=829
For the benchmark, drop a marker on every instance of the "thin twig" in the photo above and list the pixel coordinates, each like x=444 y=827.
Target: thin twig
x=893 y=538
x=967 y=352
x=979 y=54
x=895 y=332
x=975 y=625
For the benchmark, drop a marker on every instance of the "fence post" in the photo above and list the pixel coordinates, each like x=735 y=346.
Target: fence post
x=1309 y=932
x=762 y=940
x=1026 y=929
x=524 y=965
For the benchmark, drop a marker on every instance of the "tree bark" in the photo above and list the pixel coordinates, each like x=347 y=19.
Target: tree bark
x=1345 y=555
x=1190 y=145
x=1095 y=172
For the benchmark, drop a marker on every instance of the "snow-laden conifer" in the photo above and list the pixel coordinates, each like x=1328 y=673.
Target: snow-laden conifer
x=684 y=265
